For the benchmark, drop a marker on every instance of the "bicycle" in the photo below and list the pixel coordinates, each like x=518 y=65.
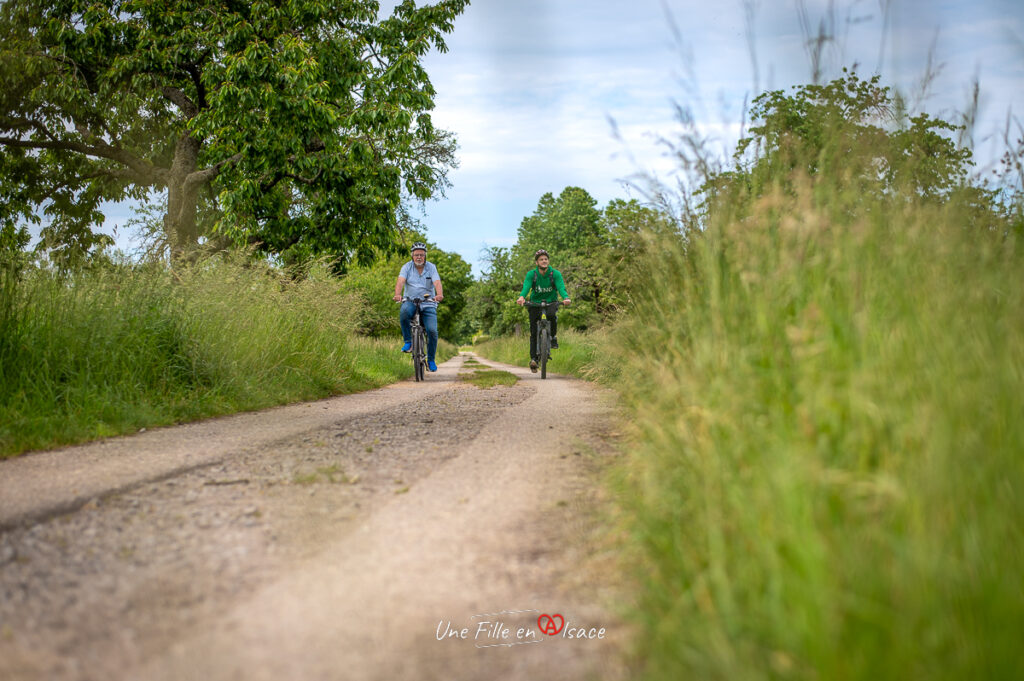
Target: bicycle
x=419 y=342
x=543 y=334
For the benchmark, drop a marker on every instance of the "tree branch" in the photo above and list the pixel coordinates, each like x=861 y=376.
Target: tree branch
x=207 y=174
x=305 y=180
x=122 y=173
x=197 y=80
x=146 y=173
x=181 y=100
x=34 y=124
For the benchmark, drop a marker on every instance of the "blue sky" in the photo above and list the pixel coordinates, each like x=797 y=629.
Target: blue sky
x=529 y=87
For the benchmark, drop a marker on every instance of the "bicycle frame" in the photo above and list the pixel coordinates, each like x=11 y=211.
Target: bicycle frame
x=419 y=341
x=544 y=334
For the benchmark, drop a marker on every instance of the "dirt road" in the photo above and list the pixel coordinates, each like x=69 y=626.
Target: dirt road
x=421 y=531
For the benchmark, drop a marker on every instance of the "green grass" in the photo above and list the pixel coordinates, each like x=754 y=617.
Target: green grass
x=330 y=474
x=579 y=354
x=488 y=378
x=116 y=349
x=824 y=478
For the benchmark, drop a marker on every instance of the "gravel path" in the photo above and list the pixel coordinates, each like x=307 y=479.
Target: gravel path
x=339 y=539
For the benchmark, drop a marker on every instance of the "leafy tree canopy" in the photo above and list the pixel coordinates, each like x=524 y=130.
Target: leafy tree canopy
x=595 y=249
x=851 y=131
x=567 y=224
x=288 y=123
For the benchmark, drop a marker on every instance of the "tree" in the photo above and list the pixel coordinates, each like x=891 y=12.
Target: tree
x=596 y=250
x=294 y=124
x=631 y=227
x=851 y=132
x=492 y=299
x=568 y=224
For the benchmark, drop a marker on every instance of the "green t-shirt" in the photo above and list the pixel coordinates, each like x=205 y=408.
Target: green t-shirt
x=546 y=287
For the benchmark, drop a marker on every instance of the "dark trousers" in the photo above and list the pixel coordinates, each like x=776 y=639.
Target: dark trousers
x=534 y=318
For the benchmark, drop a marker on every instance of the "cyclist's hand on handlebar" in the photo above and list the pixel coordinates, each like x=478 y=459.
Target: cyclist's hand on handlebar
x=396 y=298
x=521 y=301
x=438 y=298
x=566 y=301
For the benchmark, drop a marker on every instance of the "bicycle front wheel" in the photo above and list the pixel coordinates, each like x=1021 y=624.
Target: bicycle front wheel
x=544 y=350
x=418 y=350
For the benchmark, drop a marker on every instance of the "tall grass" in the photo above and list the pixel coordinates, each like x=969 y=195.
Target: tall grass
x=826 y=479
x=114 y=349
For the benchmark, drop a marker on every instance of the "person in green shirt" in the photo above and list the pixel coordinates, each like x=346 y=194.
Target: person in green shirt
x=543 y=284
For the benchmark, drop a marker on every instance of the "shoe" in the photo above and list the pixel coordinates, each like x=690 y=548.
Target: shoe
x=407 y=347
x=554 y=343
x=533 y=365
x=431 y=365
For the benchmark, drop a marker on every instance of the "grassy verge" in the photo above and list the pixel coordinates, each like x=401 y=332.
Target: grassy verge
x=825 y=479
x=117 y=349
x=575 y=355
x=488 y=378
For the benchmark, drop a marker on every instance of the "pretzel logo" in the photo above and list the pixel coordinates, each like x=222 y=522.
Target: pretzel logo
x=546 y=624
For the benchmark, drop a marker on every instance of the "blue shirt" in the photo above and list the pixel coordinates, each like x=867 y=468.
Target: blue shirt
x=420 y=285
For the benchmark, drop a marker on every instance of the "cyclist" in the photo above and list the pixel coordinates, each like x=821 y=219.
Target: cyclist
x=419 y=279
x=544 y=284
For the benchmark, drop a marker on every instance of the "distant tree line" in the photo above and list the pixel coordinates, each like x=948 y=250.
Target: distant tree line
x=594 y=248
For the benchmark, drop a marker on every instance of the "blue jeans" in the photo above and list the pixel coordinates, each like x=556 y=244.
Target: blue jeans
x=428 y=318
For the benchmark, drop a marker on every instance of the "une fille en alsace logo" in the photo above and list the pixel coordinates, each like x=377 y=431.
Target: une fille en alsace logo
x=517 y=627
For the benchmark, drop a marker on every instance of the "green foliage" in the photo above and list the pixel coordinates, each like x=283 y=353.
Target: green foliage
x=595 y=250
x=851 y=133
x=13 y=260
x=375 y=284
x=568 y=224
x=824 y=384
x=457 y=278
x=294 y=126
x=111 y=349
x=492 y=299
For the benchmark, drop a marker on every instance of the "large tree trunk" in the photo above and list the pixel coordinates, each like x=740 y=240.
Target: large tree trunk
x=180 y=224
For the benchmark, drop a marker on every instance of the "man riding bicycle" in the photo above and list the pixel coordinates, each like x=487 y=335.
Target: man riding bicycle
x=543 y=284
x=419 y=279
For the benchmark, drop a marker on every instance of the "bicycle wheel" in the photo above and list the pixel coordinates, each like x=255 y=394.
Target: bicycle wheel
x=423 y=354
x=544 y=349
x=417 y=354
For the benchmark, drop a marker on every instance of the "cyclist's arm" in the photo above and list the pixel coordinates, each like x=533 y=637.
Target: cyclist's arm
x=400 y=282
x=438 y=290
x=526 y=289
x=527 y=285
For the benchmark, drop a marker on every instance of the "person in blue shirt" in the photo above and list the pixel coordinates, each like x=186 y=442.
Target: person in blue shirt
x=419 y=279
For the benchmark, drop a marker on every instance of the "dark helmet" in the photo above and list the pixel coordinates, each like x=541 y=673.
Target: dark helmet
x=540 y=252
x=418 y=246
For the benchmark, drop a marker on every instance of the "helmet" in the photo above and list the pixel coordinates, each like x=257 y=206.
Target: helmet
x=540 y=252
x=418 y=246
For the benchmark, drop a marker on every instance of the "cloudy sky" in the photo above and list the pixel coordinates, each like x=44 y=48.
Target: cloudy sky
x=530 y=87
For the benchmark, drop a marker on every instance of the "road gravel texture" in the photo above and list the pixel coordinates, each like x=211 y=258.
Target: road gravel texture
x=421 y=531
